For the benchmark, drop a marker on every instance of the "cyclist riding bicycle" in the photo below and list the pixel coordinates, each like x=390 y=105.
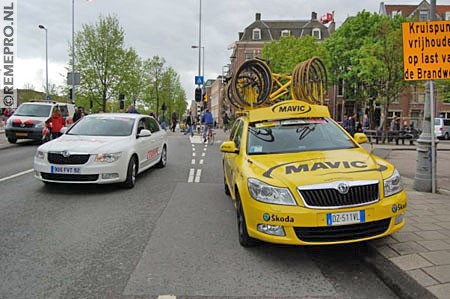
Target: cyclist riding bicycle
x=208 y=121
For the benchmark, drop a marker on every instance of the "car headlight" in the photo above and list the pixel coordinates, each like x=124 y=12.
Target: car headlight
x=270 y=194
x=40 y=155
x=108 y=158
x=39 y=124
x=393 y=184
x=9 y=122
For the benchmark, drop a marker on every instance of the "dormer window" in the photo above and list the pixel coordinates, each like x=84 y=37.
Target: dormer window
x=317 y=33
x=423 y=15
x=256 y=34
x=447 y=15
x=285 y=32
x=395 y=12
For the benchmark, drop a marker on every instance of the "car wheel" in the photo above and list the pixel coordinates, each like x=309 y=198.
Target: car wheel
x=244 y=239
x=225 y=186
x=12 y=140
x=163 y=160
x=131 y=174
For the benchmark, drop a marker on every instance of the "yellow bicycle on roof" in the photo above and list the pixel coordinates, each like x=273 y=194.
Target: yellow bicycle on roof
x=254 y=85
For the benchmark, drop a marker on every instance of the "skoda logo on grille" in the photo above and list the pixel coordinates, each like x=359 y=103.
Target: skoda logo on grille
x=65 y=154
x=343 y=188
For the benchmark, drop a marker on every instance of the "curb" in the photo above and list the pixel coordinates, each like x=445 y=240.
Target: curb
x=395 y=278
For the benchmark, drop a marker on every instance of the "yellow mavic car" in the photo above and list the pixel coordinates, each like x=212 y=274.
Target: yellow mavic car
x=297 y=177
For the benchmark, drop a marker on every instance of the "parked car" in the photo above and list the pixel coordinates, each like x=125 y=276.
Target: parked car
x=296 y=177
x=29 y=119
x=102 y=149
x=442 y=128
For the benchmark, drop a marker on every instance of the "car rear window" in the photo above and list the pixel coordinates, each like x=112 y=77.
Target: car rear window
x=295 y=135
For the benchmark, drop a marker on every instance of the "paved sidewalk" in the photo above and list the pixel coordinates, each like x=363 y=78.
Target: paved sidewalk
x=422 y=249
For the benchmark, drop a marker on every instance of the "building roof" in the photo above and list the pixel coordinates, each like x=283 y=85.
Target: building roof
x=272 y=29
x=408 y=10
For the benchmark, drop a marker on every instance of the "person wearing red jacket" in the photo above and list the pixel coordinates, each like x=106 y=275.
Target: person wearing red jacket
x=57 y=122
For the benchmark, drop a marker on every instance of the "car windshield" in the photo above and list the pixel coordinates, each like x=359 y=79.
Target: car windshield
x=295 y=135
x=102 y=125
x=33 y=110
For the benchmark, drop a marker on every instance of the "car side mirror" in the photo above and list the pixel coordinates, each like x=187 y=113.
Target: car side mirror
x=229 y=147
x=360 y=138
x=144 y=133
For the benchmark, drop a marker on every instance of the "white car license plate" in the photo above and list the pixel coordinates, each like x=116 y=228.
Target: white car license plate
x=65 y=169
x=346 y=218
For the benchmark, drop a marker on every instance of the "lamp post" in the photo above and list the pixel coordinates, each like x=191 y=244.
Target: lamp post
x=199 y=38
x=46 y=59
x=203 y=59
x=73 y=52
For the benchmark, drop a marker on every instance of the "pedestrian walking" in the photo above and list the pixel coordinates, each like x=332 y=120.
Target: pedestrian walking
x=226 y=121
x=189 y=124
x=56 y=123
x=174 y=121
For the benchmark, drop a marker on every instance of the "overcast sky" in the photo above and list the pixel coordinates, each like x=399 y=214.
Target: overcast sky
x=167 y=28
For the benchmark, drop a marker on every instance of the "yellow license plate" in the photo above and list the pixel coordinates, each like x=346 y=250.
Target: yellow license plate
x=22 y=134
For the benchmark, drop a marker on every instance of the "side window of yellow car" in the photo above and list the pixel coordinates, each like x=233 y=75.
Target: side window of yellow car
x=238 y=135
x=233 y=130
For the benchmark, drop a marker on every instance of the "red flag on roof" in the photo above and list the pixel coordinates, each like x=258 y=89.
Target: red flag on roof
x=326 y=18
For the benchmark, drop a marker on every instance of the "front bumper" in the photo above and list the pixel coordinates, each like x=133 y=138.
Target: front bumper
x=89 y=173
x=24 y=133
x=307 y=226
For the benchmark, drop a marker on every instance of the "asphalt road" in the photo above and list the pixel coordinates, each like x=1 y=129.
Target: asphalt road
x=165 y=236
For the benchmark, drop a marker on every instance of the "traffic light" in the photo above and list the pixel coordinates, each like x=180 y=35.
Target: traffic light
x=121 y=101
x=205 y=98
x=198 y=94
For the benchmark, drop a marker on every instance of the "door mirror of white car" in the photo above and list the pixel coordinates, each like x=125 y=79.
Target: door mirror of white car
x=144 y=133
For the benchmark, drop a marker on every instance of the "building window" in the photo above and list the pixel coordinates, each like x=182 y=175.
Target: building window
x=423 y=15
x=317 y=33
x=395 y=12
x=447 y=15
x=395 y=100
x=256 y=34
x=248 y=56
x=285 y=32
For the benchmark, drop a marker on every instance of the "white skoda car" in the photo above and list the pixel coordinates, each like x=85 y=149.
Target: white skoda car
x=102 y=149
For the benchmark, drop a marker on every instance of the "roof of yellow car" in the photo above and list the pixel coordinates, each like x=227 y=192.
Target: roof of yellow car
x=286 y=110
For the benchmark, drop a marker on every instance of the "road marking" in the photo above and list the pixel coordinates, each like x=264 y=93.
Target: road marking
x=167 y=297
x=193 y=149
x=193 y=161
x=205 y=149
x=201 y=161
x=16 y=175
x=191 y=175
x=203 y=154
x=193 y=154
x=197 y=176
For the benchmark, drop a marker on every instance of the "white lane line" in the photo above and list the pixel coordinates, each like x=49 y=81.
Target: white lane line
x=201 y=161
x=193 y=149
x=193 y=154
x=203 y=154
x=205 y=149
x=191 y=175
x=197 y=176
x=167 y=297
x=16 y=175
x=193 y=161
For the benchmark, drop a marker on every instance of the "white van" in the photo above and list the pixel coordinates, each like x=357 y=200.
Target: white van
x=442 y=128
x=29 y=119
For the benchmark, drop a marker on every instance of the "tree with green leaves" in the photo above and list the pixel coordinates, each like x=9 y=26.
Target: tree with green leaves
x=104 y=63
x=285 y=54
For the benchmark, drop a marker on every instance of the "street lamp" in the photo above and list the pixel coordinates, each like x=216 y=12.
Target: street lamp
x=46 y=59
x=203 y=59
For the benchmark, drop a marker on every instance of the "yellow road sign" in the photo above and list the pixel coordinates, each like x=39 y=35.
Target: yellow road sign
x=426 y=50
